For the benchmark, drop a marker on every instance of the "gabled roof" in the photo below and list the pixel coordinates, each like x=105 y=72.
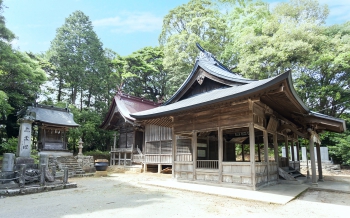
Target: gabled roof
x=121 y=108
x=212 y=97
x=277 y=92
x=213 y=69
x=50 y=115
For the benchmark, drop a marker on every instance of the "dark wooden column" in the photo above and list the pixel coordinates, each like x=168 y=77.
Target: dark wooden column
x=266 y=154
x=173 y=152
x=312 y=157
x=286 y=149
x=319 y=162
x=221 y=153
x=242 y=145
x=194 y=150
x=252 y=154
x=275 y=147
x=292 y=150
x=298 y=151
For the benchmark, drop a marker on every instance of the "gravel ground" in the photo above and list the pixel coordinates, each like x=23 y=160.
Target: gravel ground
x=121 y=195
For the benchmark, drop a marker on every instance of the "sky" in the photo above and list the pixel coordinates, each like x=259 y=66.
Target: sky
x=124 y=26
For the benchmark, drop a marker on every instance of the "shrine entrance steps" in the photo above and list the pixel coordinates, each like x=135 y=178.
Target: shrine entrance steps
x=291 y=176
x=74 y=170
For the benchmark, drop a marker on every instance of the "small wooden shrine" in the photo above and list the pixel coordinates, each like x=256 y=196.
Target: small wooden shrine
x=136 y=143
x=53 y=124
x=227 y=129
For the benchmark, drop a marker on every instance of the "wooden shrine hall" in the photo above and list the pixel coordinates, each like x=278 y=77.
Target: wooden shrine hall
x=136 y=143
x=227 y=129
x=53 y=124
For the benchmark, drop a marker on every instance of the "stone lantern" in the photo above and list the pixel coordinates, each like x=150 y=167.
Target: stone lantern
x=80 y=147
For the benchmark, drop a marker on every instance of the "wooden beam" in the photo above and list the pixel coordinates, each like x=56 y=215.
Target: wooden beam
x=173 y=152
x=194 y=150
x=312 y=157
x=266 y=154
x=286 y=149
x=220 y=145
x=275 y=147
x=319 y=162
x=252 y=154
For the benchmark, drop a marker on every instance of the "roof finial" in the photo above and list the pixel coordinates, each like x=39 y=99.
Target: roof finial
x=204 y=55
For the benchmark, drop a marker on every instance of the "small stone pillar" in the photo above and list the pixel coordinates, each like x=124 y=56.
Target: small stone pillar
x=24 y=138
x=22 y=171
x=80 y=147
x=44 y=159
x=8 y=162
x=42 y=174
x=65 y=175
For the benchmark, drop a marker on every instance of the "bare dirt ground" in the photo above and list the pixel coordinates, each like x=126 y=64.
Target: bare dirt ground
x=122 y=195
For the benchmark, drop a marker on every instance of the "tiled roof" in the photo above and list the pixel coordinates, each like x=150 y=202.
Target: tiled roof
x=211 y=97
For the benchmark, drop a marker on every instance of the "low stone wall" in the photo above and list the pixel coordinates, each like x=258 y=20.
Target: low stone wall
x=86 y=163
x=126 y=169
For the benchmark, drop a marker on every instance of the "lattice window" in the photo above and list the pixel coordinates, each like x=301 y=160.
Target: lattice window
x=152 y=147
x=166 y=147
x=183 y=146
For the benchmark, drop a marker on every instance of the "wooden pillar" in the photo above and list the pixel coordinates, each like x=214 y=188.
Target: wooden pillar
x=292 y=150
x=313 y=164
x=145 y=168
x=259 y=153
x=266 y=154
x=173 y=152
x=124 y=159
x=159 y=168
x=319 y=162
x=115 y=140
x=275 y=147
x=194 y=155
x=252 y=154
x=298 y=150
x=242 y=152
x=287 y=150
x=221 y=153
x=118 y=158
x=234 y=152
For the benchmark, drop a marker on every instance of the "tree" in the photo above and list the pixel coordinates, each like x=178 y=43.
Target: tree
x=148 y=78
x=20 y=79
x=197 y=21
x=78 y=56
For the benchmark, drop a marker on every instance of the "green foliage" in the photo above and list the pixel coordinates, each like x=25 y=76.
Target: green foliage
x=197 y=21
x=149 y=78
x=9 y=146
x=35 y=156
x=97 y=154
x=78 y=58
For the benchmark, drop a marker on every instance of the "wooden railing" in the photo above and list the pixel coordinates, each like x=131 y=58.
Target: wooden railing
x=129 y=150
x=207 y=164
x=158 y=158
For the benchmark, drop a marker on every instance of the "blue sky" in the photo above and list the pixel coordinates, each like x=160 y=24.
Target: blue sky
x=122 y=25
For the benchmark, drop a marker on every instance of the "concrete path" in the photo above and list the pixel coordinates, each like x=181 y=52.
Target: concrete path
x=276 y=194
x=337 y=186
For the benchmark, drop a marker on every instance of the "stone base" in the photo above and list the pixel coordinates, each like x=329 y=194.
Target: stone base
x=101 y=174
x=24 y=160
x=35 y=189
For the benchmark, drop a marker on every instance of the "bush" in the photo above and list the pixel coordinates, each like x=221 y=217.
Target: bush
x=97 y=154
x=10 y=146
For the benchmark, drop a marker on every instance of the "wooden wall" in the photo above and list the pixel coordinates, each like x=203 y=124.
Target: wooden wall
x=158 y=145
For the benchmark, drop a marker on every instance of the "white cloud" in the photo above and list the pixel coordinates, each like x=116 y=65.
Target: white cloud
x=339 y=10
x=128 y=22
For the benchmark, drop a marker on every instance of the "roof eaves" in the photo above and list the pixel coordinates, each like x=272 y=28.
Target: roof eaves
x=239 y=94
